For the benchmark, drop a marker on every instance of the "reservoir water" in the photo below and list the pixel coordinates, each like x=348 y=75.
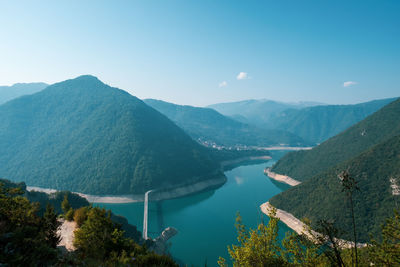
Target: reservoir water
x=205 y=221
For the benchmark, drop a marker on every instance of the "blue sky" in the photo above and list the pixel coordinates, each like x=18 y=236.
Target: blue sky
x=192 y=52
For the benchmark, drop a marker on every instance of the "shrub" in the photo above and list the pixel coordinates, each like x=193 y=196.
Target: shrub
x=70 y=215
x=80 y=216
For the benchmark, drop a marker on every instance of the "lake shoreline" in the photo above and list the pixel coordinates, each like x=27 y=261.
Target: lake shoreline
x=179 y=191
x=299 y=227
x=176 y=192
x=281 y=178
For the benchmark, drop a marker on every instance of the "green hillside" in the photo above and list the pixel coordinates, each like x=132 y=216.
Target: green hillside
x=82 y=135
x=208 y=125
x=319 y=123
x=320 y=197
x=19 y=89
x=377 y=128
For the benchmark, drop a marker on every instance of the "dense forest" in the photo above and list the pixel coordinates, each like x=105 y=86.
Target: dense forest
x=85 y=136
x=206 y=124
x=376 y=128
x=321 y=196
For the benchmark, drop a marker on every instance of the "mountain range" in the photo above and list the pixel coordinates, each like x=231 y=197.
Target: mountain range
x=313 y=122
x=85 y=136
x=206 y=124
x=257 y=111
x=19 y=89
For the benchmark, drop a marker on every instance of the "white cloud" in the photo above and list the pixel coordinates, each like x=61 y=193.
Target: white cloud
x=242 y=76
x=349 y=83
x=223 y=84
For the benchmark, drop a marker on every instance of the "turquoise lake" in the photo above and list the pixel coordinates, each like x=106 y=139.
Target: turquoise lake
x=205 y=221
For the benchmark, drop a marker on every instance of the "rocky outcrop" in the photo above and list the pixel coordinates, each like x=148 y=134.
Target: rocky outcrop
x=281 y=178
x=301 y=228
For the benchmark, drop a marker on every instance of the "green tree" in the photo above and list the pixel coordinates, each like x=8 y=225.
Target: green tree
x=100 y=241
x=80 y=215
x=22 y=239
x=50 y=226
x=65 y=206
x=299 y=250
x=70 y=215
x=387 y=251
x=258 y=247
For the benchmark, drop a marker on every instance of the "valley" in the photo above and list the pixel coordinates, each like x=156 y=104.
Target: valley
x=183 y=133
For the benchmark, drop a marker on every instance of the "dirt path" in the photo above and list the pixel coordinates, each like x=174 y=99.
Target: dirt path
x=66 y=231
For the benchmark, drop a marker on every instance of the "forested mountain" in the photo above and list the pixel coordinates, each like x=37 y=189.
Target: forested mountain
x=377 y=128
x=313 y=122
x=319 y=123
x=321 y=196
x=257 y=112
x=19 y=89
x=85 y=136
x=209 y=125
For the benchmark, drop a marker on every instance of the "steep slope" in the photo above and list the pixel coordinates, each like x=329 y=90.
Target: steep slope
x=257 y=112
x=319 y=123
x=320 y=197
x=378 y=127
x=82 y=135
x=19 y=89
x=208 y=125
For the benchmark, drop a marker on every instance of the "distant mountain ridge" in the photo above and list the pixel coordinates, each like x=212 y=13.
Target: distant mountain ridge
x=257 y=112
x=313 y=122
x=85 y=136
x=208 y=124
x=376 y=128
x=318 y=123
x=19 y=89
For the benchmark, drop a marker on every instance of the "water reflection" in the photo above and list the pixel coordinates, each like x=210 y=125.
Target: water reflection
x=281 y=186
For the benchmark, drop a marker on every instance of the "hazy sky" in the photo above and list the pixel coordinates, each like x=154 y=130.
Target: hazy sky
x=203 y=52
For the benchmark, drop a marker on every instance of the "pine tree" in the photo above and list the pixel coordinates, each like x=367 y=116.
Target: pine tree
x=50 y=226
x=65 y=206
x=387 y=251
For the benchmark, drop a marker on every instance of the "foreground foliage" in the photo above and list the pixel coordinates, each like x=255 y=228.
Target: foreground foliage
x=26 y=238
x=30 y=238
x=260 y=247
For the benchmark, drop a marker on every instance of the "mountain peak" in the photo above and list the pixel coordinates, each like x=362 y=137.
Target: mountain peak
x=81 y=83
x=86 y=77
